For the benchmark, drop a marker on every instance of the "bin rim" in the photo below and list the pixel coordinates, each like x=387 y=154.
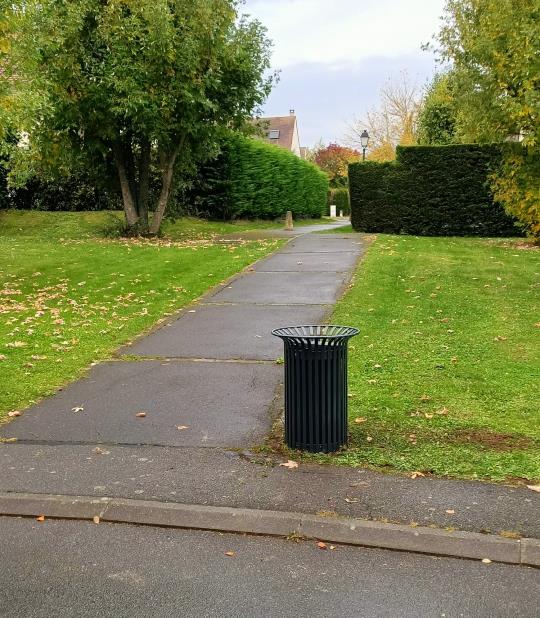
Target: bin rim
x=326 y=331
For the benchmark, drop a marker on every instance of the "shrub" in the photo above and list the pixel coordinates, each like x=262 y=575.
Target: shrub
x=253 y=179
x=340 y=197
x=430 y=191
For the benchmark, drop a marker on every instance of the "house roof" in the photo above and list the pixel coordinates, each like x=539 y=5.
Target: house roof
x=284 y=125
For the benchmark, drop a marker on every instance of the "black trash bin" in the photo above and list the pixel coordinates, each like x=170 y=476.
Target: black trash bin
x=316 y=386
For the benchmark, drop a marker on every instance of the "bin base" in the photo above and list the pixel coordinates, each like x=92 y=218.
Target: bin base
x=317 y=448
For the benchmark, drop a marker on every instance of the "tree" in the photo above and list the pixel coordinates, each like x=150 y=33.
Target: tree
x=142 y=86
x=438 y=113
x=334 y=160
x=391 y=123
x=494 y=46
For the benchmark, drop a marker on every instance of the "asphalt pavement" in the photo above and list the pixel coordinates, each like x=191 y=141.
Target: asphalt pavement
x=76 y=569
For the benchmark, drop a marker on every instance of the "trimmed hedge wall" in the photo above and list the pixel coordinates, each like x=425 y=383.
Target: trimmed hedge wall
x=253 y=179
x=429 y=191
x=340 y=197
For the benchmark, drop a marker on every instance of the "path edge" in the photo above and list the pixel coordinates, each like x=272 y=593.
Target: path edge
x=350 y=531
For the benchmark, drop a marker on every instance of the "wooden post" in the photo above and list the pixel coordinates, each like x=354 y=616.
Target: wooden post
x=289 y=221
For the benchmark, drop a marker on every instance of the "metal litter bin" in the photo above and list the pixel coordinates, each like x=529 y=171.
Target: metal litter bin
x=316 y=386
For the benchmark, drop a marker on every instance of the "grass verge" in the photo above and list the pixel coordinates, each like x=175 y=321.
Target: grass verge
x=444 y=376
x=66 y=302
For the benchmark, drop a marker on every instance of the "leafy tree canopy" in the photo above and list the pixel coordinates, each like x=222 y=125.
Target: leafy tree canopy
x=438 y=113
x=494 y=46
x=334 y=160
x=143 y=86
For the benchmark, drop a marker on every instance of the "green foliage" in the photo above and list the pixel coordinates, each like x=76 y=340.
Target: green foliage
x=436 y=124
x=430 y=191
x=340 y=197
x=142 y=86
x=494 y=46
x=254 y=179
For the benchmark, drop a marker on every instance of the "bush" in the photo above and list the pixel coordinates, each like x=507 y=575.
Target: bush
x=253 y=179
x=340 y=197
x=430 y=191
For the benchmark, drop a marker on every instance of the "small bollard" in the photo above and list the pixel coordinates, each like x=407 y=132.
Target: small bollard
x=289 y=221
x=316 y=386
x=332 y=211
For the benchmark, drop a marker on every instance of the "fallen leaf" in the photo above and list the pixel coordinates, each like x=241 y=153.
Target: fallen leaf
x=77 y=409
x=321 y=545
x=369 y=439
x=360 y=419
x=486 y=560
x=96 y=519
x=100 y=451
x=182 y=427
x=442 y=412
x=450 y=511
x=40 y=518
x=425 y=398
x=140 y=414
x=351 y=500
x=14 y=413
x=534 y=487
x=417 y=474
x=332 y=547
x=428 y=415
x=289 y=464
x=229 y=553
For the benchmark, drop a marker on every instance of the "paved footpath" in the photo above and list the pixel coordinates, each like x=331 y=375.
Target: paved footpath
x=210 y=389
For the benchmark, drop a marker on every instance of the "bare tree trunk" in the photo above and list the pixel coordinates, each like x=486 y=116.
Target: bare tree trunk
x=144 y=181
x=168 y=160
x=130 y=207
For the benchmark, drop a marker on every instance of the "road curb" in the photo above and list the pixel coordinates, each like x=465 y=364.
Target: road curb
x=350 y=531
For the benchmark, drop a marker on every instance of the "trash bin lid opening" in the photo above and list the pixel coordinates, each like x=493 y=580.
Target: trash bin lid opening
x=316 y=331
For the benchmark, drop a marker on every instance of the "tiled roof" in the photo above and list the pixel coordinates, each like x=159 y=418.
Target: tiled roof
x=284 y=124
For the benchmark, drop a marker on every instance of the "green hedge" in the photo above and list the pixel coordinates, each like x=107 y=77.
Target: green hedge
x=429 y=191
x=340 y=197
x=254 y=179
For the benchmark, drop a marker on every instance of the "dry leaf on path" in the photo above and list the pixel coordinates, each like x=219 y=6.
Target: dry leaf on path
x=360 y=419
x=289 y=464
x=96 y=519
x=321 y=545
x=486 y=561
x=182 y=427
x=352 y=500
x=140 y=414
x=40 y=518
x=229 y=553
x=450 y=511
x=534 y=487
x=77 y=409
x=14 y=413
x=417 y=474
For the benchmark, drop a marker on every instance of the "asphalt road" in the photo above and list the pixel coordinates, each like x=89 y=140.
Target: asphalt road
x=74 y=569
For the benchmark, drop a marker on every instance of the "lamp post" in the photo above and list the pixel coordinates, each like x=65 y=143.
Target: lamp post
x=364 y=140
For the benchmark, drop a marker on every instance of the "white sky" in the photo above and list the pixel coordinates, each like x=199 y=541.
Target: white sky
x=324 y=44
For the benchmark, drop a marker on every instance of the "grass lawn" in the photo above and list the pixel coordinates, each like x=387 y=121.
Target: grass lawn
x=346 y=229
x=23 y=223
x=444 y=376
x=69 y=298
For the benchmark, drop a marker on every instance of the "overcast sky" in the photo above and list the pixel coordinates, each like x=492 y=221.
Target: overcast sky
x=335 y=55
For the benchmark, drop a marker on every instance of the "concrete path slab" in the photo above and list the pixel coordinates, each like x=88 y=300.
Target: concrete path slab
x=221 y=404
x=319 y=243
x=308 y=262
x=226 y=332
x=300 y=288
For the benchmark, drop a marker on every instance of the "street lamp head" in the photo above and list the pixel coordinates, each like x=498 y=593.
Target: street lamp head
x=364 y=139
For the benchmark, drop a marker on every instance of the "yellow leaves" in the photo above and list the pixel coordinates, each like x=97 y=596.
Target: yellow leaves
x=14 y=413
x=40 y=518
x=230 y=554
x=140 y=415
x=77 y=409
x=359 y=420
x=417 y=474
